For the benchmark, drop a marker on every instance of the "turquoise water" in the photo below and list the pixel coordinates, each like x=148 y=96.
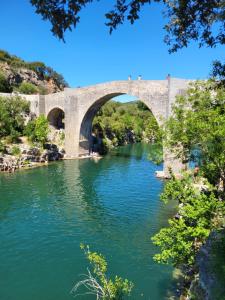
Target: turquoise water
x=111 y=204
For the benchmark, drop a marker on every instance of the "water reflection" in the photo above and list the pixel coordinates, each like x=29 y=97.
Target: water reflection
x=113 y=205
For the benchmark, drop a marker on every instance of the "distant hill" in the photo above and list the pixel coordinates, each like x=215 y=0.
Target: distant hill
x=117 y=124
x=28 y=77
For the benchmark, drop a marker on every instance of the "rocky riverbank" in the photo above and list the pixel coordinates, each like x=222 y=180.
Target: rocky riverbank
x=27 y=157
x=206 y=282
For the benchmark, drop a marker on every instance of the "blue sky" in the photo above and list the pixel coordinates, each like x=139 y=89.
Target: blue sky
x=90 y=55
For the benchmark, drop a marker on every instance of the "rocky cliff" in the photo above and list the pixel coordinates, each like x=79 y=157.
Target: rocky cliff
x=15 y=71
x=15 y=76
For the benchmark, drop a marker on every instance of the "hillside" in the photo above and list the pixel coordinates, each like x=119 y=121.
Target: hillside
x=117 y=124
x=28 y=77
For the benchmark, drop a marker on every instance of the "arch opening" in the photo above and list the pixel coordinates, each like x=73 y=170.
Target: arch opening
x=56 y=118
x=91 y=133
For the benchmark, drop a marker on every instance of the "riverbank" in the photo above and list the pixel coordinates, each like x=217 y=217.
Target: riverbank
x=24 y=156
x=11 y=163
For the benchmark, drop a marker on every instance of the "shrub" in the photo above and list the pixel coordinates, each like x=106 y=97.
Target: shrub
x=4 y=56
x=41 y=129
x=4 y=85
x=15 y=150
x=29 y=130
x=27 y=88
x=97 y=281
x=37 y=130
x=13 y=137
x=38 y=67
x=12 y=110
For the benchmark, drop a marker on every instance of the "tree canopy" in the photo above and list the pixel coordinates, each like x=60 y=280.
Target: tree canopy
x=196 y=130
x=199 y=20
x=12 y=112
x=199 y=213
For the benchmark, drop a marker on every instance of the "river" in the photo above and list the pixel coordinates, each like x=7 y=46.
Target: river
x=111 y=204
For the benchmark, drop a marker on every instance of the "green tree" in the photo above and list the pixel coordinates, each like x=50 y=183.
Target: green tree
x=196 y=130
x=15 y=151
x=200 y=211
x=58 y=78
x=12 y=112
x=218 y=72
x=37 y=130
x=38 y=67
x=97 y=281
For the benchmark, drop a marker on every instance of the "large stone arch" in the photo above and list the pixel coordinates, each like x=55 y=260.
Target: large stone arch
x=86 y=124
x=154 y=94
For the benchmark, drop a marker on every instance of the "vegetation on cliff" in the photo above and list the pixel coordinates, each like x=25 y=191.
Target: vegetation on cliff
x=123 y=123
x=28 y=77
x=37 y=130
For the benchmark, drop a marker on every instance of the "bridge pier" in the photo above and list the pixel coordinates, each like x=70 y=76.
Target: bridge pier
x=170 y=163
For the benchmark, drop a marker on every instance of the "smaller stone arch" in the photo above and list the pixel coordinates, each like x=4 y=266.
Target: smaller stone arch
x=56 y=118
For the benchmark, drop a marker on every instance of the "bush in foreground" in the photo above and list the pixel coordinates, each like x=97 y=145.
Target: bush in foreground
x=97 y=283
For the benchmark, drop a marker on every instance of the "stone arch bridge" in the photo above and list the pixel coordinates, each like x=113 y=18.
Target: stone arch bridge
x=78 y=107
